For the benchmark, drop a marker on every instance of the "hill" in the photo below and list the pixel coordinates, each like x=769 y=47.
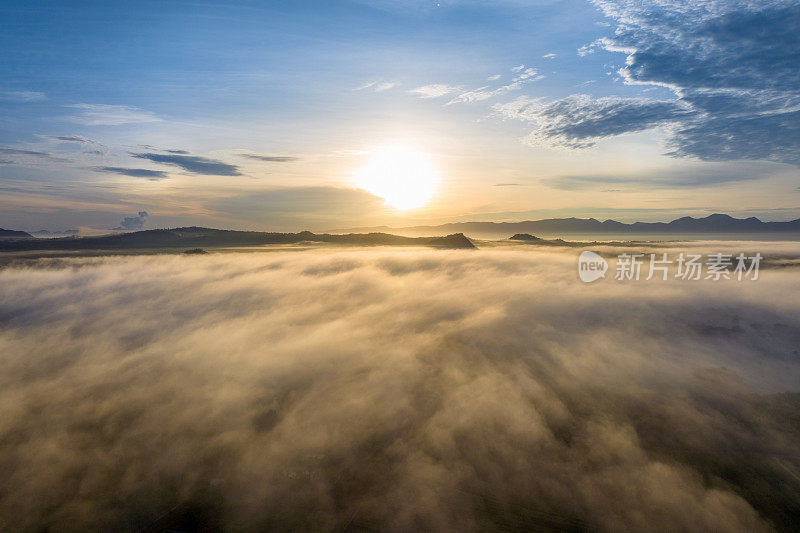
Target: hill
x=14 y=234
x=716 y=223
x=197 y=237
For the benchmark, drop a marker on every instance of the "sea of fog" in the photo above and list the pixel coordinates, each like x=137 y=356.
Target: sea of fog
x=396 y=389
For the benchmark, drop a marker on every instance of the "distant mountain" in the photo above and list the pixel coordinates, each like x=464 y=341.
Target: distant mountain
x=711 y=224
x=196 y=237
x=524 y=237
x=45 y=233
x=14 y=234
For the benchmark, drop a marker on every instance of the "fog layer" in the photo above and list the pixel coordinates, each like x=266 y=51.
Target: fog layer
x=394 y=390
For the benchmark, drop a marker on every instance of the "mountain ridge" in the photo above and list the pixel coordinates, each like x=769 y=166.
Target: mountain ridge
x=715 y=223
x=14 y=234
x=195 y=237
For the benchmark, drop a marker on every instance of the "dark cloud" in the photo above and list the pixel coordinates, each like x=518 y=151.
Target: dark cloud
x=693 y=176
x=405 y=390
x=33 y=153
x=731 y=64
x=194 y=164
x=578 y=121
x=133 y=223
x=717 y=45
x=177 y=151
x=272 y=158
x=74 y=139
x=135 y=172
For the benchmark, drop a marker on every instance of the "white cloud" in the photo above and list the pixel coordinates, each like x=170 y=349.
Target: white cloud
x=434 y=91
x=365 y=86
x=549 y=56
x=385 y=86
x=484 y=93
x=111 y=115
x=377 y=86
x=22 y=96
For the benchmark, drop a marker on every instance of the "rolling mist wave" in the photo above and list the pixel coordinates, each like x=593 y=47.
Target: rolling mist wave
x=393 y=390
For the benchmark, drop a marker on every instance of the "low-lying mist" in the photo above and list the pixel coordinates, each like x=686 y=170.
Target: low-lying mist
x=394 y=390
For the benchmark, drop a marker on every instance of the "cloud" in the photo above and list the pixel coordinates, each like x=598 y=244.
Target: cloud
x=579 y=121
x=111 y=115
x=6 y=162
x=483 y=93
x=398 y=390
x=135 y=172
x=72 y=139
x=33 y=154
x=180 y=152
x=434 y=91
x=22 y=96
x=385 y=86
x=133 y=223
x=494 y=77
x=731 y=62
x=272 y=158
x=194 y=164
x=377 y=86
x=549 y=56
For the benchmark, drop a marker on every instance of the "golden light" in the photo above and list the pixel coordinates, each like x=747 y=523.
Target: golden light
x=403 y=177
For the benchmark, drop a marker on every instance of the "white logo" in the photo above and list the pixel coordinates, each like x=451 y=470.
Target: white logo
x=591 y=266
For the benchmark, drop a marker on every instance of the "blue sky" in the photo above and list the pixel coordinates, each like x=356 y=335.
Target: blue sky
x=259 y=114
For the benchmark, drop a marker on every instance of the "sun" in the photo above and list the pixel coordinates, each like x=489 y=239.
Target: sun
x=405 y=178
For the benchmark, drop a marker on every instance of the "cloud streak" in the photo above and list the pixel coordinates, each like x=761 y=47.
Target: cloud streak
x=272 y=158
x=135 y=172
x=111 y=115
x=22 y=96
x=193 y=163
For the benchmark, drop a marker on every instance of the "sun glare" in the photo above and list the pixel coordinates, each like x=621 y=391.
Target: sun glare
x=403 y=177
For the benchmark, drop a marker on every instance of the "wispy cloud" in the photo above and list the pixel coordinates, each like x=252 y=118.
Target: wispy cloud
x=134 y=172
x=22 y=96
x=385 y=86
x=71 y=139
x=34 y=154
x=377 y=86
x=271 y=158
x=524 y=76
x=549 y=56
x=435 y=90
x=111 y=115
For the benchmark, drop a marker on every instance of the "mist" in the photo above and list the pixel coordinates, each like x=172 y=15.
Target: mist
x=399 y=389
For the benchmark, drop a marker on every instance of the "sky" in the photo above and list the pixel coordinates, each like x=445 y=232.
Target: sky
x=264 y=115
